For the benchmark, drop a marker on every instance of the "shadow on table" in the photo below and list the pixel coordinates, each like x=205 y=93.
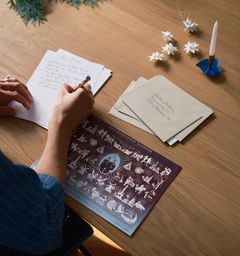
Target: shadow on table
x=221 y=78
x=164 y=65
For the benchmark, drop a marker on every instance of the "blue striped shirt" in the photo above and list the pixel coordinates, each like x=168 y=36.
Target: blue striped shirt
x=31 y=209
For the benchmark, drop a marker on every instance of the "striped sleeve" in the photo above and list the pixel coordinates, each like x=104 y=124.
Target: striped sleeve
x=31 y=209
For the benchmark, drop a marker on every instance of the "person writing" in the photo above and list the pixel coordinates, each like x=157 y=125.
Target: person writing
x=32 y=201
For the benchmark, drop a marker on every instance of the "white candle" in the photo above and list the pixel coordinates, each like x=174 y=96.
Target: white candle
x=214 y=39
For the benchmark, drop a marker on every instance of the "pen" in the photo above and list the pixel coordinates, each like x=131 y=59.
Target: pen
x=83 y=82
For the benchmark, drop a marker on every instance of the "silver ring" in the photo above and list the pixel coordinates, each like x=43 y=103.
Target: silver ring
x=7 y=78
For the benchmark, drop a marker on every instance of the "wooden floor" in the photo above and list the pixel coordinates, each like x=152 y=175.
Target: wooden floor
x=99 y=245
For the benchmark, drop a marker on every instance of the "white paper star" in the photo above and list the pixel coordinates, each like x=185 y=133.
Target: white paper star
x=191 y=47
x=167 y=36
x=169 y=49
x=190 y=26
x=156 y=56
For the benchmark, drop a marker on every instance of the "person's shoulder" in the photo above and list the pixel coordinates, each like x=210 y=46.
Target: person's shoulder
x=10 y=170
x=4 y=160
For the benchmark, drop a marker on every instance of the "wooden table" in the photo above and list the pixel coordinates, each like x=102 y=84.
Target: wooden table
x=200 y=212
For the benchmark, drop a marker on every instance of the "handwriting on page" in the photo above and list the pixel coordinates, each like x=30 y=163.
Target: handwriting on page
x=75 y=67
x=55 y=73
x=161 y=106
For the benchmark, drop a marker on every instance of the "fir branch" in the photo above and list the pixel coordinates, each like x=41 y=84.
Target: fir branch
x=29 y=10
x=77 y=3
x=33 y=11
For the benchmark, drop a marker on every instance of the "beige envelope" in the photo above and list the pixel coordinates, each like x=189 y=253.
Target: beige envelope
x=184 y=133
x=121 y=106
x=113 y=111
x=124 y=109
x=133 y=121
x=164 y=107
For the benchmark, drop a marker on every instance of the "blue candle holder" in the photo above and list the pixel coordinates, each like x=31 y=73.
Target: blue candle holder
x=211 y=70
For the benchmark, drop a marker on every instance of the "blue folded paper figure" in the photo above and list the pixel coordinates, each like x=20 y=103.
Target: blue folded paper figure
x=212 y=70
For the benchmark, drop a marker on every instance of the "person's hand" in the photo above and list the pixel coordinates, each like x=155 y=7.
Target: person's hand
x=71 y=108
x=13 y=90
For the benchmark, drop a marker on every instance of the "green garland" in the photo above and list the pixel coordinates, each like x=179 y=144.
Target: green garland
x=33 y=10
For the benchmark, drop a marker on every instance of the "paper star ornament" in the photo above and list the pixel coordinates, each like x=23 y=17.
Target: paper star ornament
x=156 y=56
x=191 y=47
x=190 y=26
x=170 y=49
x=168 y=36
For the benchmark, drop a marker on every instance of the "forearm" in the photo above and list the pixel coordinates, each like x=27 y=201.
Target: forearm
x=54 y=158
x=71 y=108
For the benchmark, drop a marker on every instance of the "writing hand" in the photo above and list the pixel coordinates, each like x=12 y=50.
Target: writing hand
x=72 y=107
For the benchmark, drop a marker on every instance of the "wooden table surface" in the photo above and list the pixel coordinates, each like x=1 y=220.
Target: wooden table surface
x=200 y=212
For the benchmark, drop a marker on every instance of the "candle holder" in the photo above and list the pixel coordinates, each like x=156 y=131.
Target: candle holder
x=210 y=67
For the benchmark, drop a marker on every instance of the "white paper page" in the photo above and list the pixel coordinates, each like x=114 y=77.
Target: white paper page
x=80 y=68
x=51 y=73
x=103 y=76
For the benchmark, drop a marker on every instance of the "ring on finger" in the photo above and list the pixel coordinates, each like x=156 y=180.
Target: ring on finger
x=7 y=78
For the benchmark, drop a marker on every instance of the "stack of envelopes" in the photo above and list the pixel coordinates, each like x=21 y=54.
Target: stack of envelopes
x=160 y=107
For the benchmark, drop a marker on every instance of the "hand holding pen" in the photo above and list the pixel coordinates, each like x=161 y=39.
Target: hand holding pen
x=72 y=106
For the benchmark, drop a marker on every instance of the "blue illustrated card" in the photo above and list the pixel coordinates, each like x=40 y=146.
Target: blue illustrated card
x=115 y=176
